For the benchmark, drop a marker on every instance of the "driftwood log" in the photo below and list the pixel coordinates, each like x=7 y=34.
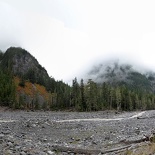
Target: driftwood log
x=98 y=151
x=146 y=138
x=142 y=117
x=76 y=150
x=115 y=149
x=87 y=151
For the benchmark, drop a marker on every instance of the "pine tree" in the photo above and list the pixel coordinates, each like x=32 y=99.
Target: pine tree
x=143 y=102
x=82 y=96
x=36 y=102
x=76 y=102
x=152 y=106
x=130 y=104
x=104 y=96
x=7 y=89
x=91 y=95
x=111 y=95
x=137 y=102
x=118 y=98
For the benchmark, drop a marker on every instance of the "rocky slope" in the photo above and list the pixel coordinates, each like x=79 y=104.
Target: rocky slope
x=23 y=64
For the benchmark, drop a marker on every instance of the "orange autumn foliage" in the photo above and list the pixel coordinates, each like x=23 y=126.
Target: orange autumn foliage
x=31 y=89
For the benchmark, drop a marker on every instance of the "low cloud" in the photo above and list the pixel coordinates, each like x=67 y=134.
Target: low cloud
x=68 y=38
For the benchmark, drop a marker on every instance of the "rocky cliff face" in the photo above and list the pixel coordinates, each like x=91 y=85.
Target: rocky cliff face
x=22 y=63
x=31 y=79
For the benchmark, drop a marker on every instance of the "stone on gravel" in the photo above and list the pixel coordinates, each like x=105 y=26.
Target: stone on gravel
x=9 y=144
x=22 y=153
x=50 y=153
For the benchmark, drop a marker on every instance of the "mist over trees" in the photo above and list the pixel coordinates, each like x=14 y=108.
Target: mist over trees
x=94 y=97
x=25 y=84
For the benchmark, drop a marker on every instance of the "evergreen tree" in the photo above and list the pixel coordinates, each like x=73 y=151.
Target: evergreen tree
x=137 y=102
x=91 y=95
x=130 y=104
x=143 y=102
x=75 y=101
x=118 y=98
x=82 y=96
x=36 y=102
x=105 y=95
x=111 y=95
x=7 y=89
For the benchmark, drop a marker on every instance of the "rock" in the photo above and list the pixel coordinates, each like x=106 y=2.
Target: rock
x=107 y=137
x=43 y=126
x=1 y=141
x=9 y=144
x=33 y=125
x=93 y=142
x=42 y=153
x=17 y=147
x=137 y=131
x=45 y=140
x=152 y=138
x=1 y=136
x=6 y=132
x=22 y=153
x=8 y=152
x=50 y=153
x=64 y=153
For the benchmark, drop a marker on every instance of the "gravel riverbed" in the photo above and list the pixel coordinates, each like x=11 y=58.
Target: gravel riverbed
x=38 y=133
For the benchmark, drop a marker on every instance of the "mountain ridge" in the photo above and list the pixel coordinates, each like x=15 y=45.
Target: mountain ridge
x=23 y=64
x=123 y=74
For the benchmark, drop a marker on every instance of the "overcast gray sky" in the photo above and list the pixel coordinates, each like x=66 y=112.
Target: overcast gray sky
x=67 y=36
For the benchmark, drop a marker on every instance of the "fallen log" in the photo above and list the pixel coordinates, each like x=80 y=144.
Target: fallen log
x=142 y=117
x=97 y=152
x=146 y=138
x=76 y=150
x=115 y=149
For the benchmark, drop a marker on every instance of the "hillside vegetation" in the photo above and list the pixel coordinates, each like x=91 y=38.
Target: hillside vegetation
x=30 y=86
x=25 y=84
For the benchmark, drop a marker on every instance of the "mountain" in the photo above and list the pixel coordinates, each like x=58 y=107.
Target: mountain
x=25 y=84
x=23 y=64
x=34 y=88
x=123 y=74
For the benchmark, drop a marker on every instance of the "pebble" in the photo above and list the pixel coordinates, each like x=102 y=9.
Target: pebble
x=10 y=144
x=1 y=135
x=6 y=132
x=50 y=153
x=22 y=153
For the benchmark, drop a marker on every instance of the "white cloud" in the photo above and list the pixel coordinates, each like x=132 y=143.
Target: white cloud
x=61 y=50
x=67 y=36
x=9 y=26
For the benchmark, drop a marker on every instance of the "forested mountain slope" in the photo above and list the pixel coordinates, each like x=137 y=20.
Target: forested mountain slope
x=31 y=85
x=22 y=64
x=123 y=74
x=115 y=86
x=25 y=84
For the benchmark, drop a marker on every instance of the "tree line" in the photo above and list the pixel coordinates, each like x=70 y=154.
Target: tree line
x=93 y=97
x=7 y=89
x=89 y=96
